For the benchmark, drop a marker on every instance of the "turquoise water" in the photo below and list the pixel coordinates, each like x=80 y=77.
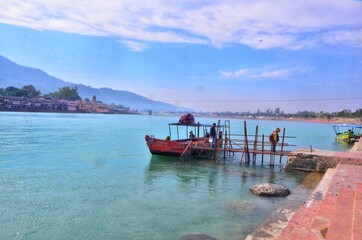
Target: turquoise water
x=83 y=176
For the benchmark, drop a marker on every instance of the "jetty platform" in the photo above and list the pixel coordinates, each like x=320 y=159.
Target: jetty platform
x=333 y=210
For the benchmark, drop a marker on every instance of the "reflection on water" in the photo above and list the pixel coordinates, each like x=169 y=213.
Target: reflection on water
x=217 y=194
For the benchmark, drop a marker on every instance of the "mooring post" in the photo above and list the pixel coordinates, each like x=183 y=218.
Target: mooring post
x=262 y=150
x=281 y=148
x=255 y=143
x=246 y=144
x=216 y=149
x=218 y=139
x=225 y=142
x=272 y=158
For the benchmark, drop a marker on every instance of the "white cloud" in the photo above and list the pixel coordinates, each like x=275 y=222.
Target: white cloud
x=287 y=24
x=234 y=74
x=280 y=73
x=135 y=46
x=353 y=38
x=268 y=73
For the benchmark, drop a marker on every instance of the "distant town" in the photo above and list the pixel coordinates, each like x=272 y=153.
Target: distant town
x=28 y=99
x=66 y=99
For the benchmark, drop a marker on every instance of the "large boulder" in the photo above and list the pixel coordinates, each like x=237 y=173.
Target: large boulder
x=270 y=190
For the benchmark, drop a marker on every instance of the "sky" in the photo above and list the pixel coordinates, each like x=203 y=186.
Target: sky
x=207 y=55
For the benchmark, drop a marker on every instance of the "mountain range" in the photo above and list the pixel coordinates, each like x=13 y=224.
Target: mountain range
x=12 y=74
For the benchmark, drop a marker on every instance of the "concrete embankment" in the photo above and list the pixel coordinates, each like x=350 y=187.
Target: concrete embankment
x=331 y=211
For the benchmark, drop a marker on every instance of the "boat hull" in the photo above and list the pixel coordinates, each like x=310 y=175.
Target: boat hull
x=175 y=148
x=346 y=136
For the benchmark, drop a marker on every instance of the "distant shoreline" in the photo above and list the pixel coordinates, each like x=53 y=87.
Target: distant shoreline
x=335 y=120
x=65 y=112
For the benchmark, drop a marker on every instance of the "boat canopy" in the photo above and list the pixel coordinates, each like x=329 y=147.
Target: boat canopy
x=199 y=129
x=341 y=128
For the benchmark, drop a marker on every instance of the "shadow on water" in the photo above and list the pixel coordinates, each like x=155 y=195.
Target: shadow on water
x=190 y=168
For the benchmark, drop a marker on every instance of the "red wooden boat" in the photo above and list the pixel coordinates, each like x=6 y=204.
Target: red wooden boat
x=182 y=144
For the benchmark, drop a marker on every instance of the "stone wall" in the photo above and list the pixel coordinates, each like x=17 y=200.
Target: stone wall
x=320 y=160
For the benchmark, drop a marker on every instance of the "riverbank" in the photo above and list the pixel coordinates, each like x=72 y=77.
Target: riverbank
x=324 y=213
x=65 y=111
x=337 y=120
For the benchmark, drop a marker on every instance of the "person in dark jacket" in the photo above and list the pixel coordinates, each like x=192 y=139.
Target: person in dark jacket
x=192 y=135
x=213 y=135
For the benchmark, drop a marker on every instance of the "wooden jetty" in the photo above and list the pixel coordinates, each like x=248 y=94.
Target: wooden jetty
x=248 y=145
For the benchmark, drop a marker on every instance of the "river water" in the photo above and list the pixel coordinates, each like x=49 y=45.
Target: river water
x=88 y=176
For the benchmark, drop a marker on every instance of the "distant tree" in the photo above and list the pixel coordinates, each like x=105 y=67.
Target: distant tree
x=14 y=92
x=344 y=113
x=306 y=114
x=87 y=100
x=66 y=93
x=2 y=91
x=358 y=113
x=30 y=91
x=325 y=115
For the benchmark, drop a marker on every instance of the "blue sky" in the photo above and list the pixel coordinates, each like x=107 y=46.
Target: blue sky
x=218 y=55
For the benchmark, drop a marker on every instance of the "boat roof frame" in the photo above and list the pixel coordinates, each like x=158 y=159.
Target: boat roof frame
x=347 y=125
x=195 y=126
x=356 y=128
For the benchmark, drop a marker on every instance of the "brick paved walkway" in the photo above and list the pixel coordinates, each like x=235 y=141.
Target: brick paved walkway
x=334 y=210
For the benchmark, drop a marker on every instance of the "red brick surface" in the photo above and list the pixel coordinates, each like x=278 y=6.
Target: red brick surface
x=337 y=215
x=341 y=224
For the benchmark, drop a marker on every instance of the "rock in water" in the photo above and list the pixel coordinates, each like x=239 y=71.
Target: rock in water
x=197 y=237
x=270 y=190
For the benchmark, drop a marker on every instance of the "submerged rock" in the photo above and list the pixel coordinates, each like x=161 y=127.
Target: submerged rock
x=242 y=206
x=270 y=190
x=197 y=237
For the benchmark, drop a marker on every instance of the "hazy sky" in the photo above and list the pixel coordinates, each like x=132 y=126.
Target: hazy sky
x=208 y=55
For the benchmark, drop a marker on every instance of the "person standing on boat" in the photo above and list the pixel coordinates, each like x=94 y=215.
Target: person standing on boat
x=192 y=135
x=274 y=139
x=213 y=135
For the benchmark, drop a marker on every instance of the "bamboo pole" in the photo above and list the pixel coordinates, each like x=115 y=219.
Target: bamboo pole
x=186 y=149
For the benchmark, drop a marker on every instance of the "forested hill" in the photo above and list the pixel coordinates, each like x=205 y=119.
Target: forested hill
x=12 y=74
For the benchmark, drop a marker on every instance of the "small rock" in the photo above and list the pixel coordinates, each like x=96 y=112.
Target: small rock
x=197 y=237
x=270 y=190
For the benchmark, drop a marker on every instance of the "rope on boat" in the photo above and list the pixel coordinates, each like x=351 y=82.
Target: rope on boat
x=188 y=146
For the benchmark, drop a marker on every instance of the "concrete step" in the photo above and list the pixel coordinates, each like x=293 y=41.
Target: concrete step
x=341 y=225
x=303 y=224
x=299 y=226
x=323 y=218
